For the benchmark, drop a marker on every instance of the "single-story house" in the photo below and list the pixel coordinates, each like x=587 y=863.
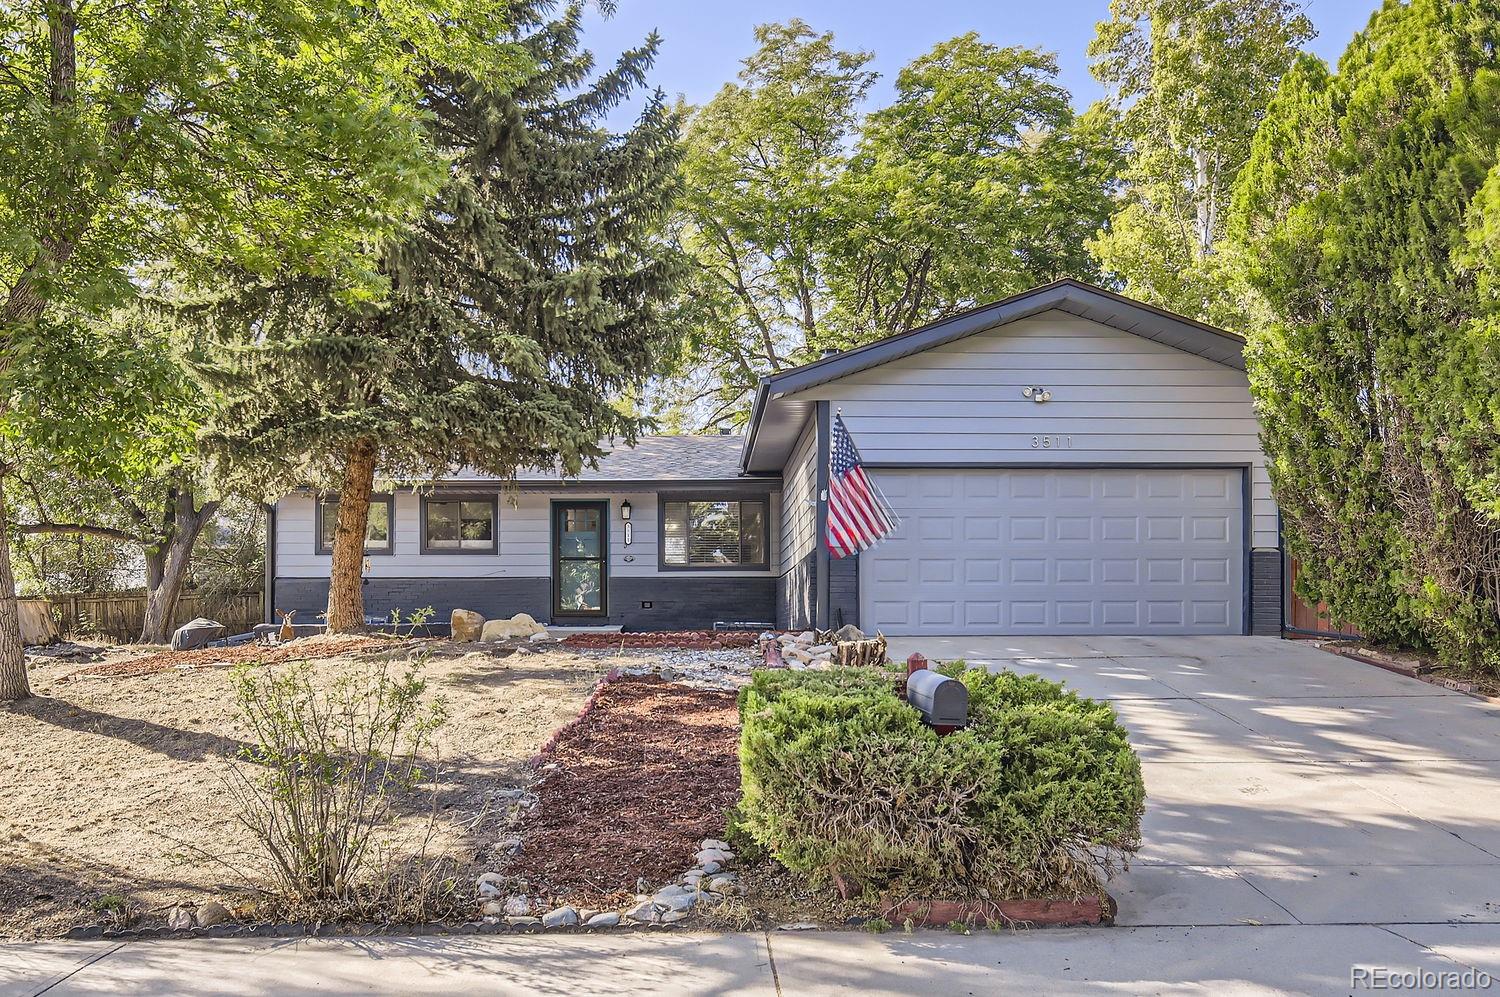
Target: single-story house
x=1064 y=461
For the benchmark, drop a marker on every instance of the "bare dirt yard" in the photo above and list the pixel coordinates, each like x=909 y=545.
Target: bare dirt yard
x=114 y=781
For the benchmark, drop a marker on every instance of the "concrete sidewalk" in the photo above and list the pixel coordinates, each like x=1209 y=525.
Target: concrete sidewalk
x=1290 y=959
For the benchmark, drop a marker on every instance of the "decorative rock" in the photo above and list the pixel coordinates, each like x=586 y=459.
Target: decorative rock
x=668 y=673
x=723 y=884
x=710 y=867
x=492 y=908
x=644 y=912
x=211 y=913
x=562 y=917
x=798 y=926
x=820 y=650
x=681 y=900
x=671 y=916
x=179 y=919
x=608 y=919
x=517 y=905
x=511 y=845
x=489 y=891
x=707 y=843
x=849 y=633
x=467 y=625
x=706 y=855
x=520 y=625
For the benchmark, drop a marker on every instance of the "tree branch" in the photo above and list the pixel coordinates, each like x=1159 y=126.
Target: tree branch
x=79 y=528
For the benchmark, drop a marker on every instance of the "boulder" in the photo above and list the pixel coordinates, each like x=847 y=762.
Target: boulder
x=849 y=633
x=196 y=633
x=467 y=624
x=562 y=917
x=211 y=913
x=520 y=625
x=608 y=919
x=179 y=919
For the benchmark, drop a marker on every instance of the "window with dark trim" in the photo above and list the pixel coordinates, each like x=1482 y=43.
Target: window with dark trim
x=378 y=528
x=460 y=524
x=708 y=532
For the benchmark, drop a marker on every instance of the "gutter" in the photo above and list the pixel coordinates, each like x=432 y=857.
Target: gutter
x=762 y=392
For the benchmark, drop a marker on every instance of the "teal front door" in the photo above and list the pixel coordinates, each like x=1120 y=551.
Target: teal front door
x=580 y=558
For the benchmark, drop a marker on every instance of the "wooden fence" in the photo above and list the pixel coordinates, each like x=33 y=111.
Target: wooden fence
x=120 y=614
x=1302 y=618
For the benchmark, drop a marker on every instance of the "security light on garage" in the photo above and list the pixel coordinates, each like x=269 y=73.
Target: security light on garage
x=1037 y=394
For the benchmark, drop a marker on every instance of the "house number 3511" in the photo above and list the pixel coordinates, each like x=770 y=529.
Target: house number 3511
x=1049 y=442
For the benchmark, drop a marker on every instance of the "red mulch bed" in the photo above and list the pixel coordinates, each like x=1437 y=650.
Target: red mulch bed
x=644 y=776
x=693 y=640
x=165 y=661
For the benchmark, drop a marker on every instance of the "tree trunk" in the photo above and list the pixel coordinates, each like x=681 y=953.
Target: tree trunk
x=167 y=564
x=346 y=597
x=13 y=684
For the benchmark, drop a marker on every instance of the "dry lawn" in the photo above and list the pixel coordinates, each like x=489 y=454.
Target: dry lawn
x=115 y=785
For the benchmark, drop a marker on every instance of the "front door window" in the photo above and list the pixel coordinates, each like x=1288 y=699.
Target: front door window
x=580 y=546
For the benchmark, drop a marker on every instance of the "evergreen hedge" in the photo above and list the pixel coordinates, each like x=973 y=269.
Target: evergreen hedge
x=1041 y=795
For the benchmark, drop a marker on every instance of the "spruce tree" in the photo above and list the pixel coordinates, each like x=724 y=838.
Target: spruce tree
x=533 y=292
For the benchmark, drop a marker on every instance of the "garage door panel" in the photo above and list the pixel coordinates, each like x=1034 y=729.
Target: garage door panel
x=1062 y=551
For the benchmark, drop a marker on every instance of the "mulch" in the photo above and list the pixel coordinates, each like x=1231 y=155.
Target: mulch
x=692 y=640
x=644 y=776
x=165 y=661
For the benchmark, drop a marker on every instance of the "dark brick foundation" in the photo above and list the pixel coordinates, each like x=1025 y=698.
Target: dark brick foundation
x=1265 y=592
x=688 y=602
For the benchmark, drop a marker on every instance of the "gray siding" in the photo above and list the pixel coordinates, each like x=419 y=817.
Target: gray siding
x=799 y=515
x=1116 y=399
x=796 y=594
x=525 y=539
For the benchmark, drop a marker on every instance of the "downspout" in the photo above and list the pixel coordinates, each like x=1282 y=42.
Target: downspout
x=270 y=586
x=822 y=614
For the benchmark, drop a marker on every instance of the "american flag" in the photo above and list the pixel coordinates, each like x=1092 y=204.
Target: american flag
x=858 y=514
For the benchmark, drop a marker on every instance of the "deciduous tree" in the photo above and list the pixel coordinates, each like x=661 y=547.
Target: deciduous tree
x=1188 y=82
x=266 y=133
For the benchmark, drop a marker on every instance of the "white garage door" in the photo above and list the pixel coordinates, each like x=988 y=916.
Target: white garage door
x=1033 y=551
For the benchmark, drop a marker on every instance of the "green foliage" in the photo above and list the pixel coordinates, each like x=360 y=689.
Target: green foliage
x=326 y=761
x=529 y=295
x=811 y=226
x=843 y=782
x=1188 y=82
x=1365 y=223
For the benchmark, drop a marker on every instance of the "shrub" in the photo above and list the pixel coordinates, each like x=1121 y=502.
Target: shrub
x=323 y=768
x=841 y=780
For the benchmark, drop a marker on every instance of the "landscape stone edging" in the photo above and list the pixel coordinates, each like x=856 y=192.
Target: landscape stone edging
x=1039 y=913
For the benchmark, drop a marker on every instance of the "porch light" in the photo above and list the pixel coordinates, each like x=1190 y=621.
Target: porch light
x=625 y=510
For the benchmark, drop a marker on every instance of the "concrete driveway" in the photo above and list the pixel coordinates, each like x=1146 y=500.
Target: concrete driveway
x=1309 y=819
x=1286 y=785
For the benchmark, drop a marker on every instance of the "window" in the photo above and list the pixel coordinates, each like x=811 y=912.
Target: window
x=458 y=526
x=712 y=533
x=377 y=527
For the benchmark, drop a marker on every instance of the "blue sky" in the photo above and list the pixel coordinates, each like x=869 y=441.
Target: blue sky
x=703 y=41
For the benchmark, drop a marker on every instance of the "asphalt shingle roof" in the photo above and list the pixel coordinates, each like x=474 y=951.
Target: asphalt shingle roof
x=654 y=458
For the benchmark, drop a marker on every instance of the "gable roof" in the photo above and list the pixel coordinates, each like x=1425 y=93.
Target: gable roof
x=1068 y=295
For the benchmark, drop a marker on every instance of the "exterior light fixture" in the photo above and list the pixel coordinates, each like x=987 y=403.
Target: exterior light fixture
x=1037 y=394
x=625 y=510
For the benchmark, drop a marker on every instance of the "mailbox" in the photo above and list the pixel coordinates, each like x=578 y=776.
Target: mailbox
x=943 y=702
